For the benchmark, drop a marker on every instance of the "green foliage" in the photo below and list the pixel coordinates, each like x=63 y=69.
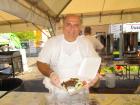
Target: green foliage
x=133 y=68
x=108 y=69
x=25 y=36
x=113 y=69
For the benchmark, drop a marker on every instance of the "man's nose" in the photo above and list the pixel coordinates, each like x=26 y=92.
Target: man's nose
x=72 y=27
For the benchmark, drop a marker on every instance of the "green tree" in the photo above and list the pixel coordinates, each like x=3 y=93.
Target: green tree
x=25 y=36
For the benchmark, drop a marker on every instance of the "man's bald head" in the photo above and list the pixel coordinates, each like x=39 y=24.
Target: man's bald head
x=72 y=27
x=72 y=15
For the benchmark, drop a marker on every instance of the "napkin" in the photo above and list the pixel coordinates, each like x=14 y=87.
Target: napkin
x=89 y=68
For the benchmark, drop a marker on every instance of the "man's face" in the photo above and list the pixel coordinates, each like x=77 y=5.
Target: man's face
x=71 y=27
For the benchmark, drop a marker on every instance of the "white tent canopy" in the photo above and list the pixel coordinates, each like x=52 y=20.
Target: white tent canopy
x=21 y=15
x=98 y=12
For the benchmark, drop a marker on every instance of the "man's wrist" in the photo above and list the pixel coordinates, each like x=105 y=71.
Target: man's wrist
x=51 y=74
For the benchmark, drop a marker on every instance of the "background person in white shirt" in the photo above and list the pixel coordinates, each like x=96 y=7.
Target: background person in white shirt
x=96 y=43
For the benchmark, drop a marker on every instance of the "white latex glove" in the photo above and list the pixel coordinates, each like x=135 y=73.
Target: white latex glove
x=55 y=79
x=90 y=83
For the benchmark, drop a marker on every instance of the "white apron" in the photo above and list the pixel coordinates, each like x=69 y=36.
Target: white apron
x=66 y=67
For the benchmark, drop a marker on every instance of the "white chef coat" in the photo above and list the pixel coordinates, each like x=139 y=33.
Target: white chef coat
x=69 y=63
x=65 y=58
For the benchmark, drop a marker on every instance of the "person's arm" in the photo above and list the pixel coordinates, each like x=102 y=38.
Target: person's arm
x=45 y=69
x=99 y=46
x=94 y=81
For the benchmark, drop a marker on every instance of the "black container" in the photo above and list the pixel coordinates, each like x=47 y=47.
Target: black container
x=11 y=84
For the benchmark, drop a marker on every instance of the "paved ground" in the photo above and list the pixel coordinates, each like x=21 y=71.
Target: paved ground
x=32 y=72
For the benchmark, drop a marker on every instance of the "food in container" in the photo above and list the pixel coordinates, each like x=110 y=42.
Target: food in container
x=73 y=85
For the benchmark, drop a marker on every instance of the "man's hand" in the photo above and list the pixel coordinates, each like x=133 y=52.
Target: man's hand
x=93 y=82
x=55 y=79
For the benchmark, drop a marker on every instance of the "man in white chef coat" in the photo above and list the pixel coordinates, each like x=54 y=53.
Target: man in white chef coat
x=62 y=55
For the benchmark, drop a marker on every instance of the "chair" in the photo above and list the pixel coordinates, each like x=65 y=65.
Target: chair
x=13 y=59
